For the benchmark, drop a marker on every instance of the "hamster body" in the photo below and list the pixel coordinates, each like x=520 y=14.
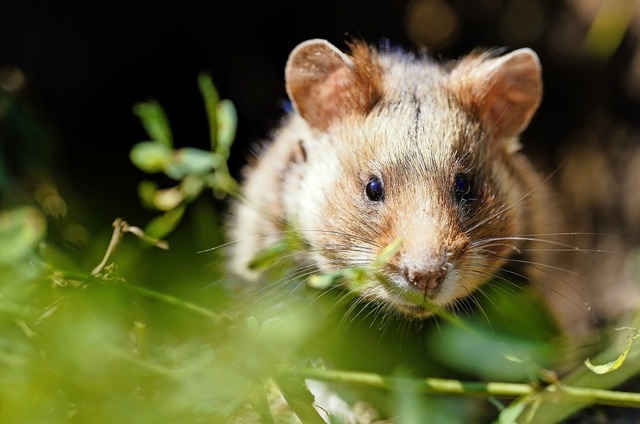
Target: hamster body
x=387 y=145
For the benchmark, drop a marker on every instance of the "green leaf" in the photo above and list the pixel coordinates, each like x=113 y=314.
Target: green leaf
x=227 y=119
x=155 y=122
x=168 y=198
x=609 y=26
x=323 y=281
x=21 y=230
x=191 y=186
x=151 y=156
x=271 y=327
x=388 y=252
x=253 y=325
x=211 y=98
x=191 y=161
x=617 y=363
x=511 y=414
x=147 y=191
x=266 y=258
x=223 y=184
x=162 y=225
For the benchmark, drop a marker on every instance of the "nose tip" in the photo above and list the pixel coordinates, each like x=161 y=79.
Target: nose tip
x=426 y=280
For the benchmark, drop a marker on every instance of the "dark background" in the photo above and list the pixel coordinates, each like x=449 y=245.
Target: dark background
x=86 y=65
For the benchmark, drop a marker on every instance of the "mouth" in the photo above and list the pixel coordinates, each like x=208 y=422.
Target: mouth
x=402 y=297
x=413 y=311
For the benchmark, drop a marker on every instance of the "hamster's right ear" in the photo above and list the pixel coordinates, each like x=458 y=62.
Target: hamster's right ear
x=325 y=84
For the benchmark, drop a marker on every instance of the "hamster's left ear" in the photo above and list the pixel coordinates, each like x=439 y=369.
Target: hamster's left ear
x=504 y=92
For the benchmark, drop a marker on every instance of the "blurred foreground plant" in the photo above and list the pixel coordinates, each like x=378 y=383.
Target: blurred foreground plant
x=129 y=342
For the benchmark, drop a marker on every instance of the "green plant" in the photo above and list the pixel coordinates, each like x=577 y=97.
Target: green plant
x=123 y=333
x=193 y=169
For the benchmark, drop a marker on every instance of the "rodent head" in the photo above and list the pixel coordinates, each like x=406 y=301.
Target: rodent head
x=402 y=147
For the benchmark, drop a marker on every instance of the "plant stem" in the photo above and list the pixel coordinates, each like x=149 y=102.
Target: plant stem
x=165 y=298
x=426 y=386
x=457 y=387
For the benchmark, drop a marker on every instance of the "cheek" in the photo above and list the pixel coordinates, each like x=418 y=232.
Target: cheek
x=511 y=197
x=310 y=201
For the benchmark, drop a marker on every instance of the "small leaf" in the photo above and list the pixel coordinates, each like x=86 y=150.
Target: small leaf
x=253 y=325
x=191 y=161
x=147 y=191
x=513 y=358
x=388 y=252
x=155 y=122
x=323 y=281
x=211 y=98
x=150 y=156
x=512 y=413
x=168 y=198
x=271 y=327
x=223 y=184
x=266 y=257
x=162 y=225
x=227 y=119
x=191 y=186
x=617 y=363
x=21 y=230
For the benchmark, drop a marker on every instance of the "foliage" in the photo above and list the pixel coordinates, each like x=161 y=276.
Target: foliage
x=195 y=169
x=158 y=336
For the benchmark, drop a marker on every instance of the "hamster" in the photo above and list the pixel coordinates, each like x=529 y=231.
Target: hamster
x=386 y=145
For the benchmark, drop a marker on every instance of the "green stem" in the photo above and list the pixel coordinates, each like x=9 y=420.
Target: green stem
x=165 y=298
x=426 y=386
x=457 y=387
x=171 y=300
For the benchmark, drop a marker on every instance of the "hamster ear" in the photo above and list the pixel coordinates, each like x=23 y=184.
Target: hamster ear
x=504 y=92
x=325 y=84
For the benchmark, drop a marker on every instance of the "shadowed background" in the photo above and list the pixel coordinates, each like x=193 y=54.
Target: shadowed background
x=78 y=70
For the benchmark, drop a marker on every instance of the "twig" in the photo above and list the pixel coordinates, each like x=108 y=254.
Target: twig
x=120 y=228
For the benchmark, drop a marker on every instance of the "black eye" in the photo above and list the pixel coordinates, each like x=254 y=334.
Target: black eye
x=374 y=190
x=462 y=187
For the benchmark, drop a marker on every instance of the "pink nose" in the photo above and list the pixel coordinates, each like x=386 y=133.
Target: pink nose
x=427 y=280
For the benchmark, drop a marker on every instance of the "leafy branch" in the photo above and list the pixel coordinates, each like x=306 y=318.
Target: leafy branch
x=194 y=169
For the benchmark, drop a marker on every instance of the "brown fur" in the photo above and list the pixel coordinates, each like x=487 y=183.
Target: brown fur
x=414 y=125
x=321 y=81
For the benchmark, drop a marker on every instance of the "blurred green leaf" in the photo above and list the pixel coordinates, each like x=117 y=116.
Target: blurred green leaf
x=488 y=353
x=387 y=253
x=151 y=156
x=21 y=230
x=223 y=185
x=211 y=98
x=270 y=328
x=323 y=281
x=168 y=198
x=267 y=257
x=253 y=325
x=191 y=161
x=616 y=363
x=227 y=120
x=191 y=186
x=162 y=225
x=610 y=25
x=155 y=122
x=511 y=414
x=147 y=191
